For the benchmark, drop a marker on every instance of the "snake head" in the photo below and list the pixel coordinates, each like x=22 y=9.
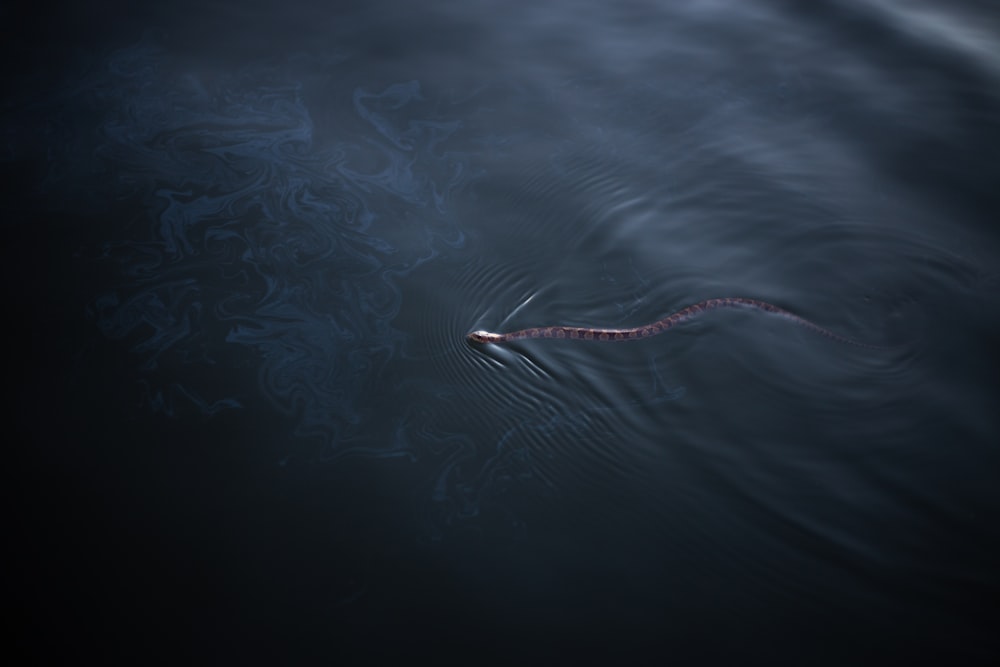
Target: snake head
x=483 y=337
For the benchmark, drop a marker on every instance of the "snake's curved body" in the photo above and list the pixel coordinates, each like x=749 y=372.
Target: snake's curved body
x=658 y=327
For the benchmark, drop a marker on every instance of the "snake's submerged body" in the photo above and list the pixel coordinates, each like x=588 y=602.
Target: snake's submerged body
x=658 y=327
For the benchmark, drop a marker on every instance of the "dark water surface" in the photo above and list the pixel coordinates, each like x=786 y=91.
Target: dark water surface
x=246 y=240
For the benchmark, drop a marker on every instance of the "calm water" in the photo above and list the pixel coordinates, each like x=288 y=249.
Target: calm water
x=245 y=242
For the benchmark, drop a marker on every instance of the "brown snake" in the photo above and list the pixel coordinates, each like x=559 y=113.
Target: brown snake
x=658 y=327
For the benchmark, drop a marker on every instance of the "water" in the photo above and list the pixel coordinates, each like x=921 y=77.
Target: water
x=246 y=242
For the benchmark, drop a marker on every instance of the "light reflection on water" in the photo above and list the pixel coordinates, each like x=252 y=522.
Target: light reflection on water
x=336 y=215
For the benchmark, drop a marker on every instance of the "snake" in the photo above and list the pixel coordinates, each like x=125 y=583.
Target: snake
x=658 y=327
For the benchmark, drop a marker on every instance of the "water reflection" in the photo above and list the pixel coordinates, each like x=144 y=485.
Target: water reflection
x=331 y=218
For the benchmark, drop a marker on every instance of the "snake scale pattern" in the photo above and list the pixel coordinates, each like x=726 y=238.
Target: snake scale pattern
x=658 y=327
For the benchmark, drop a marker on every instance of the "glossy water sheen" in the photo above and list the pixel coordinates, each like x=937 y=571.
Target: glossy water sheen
x=246 y=242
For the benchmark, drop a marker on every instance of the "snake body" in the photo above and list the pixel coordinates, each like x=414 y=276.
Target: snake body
x=658 y=327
